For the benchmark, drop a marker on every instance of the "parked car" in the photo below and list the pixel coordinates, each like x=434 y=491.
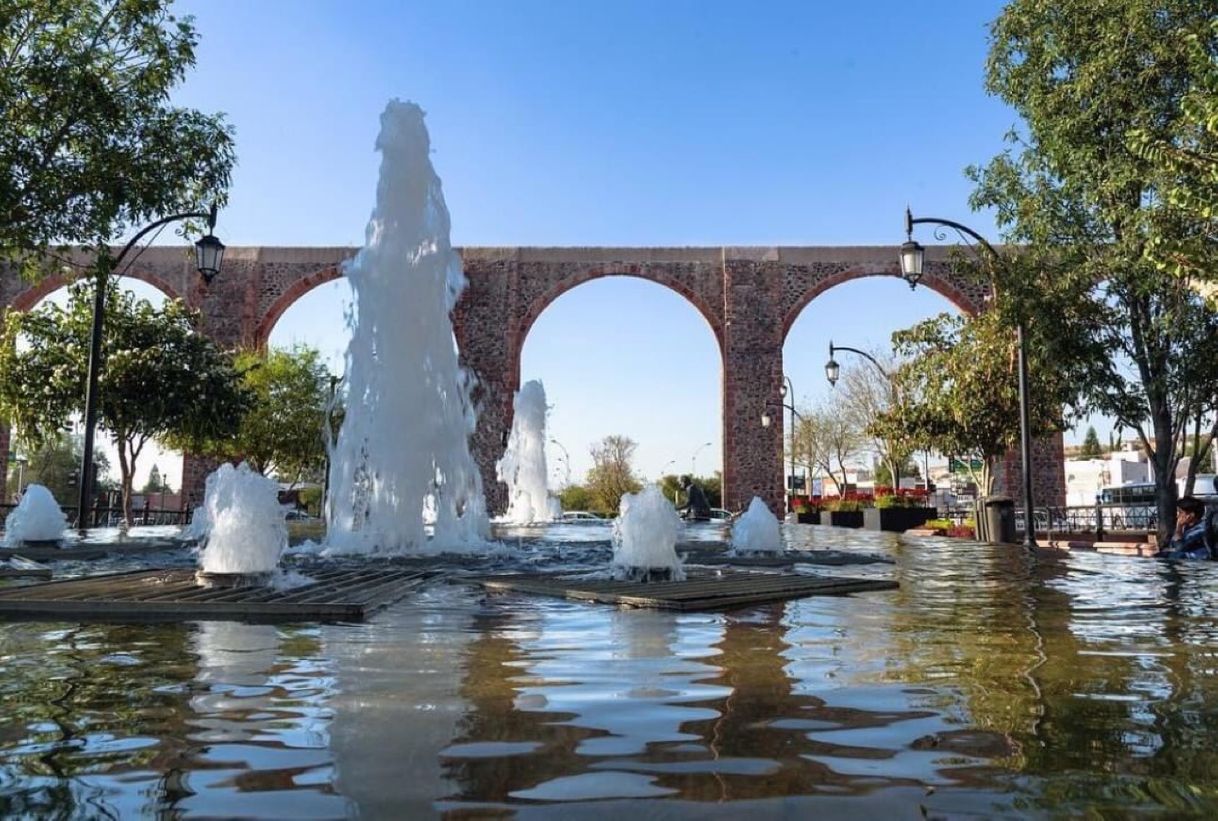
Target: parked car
x=719 y=514
x=582 y=517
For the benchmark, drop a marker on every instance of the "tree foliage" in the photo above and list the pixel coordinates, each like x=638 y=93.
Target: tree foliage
x=1091 y=448
x=826 y=440
x=1092 y=82
x=959 y=390
x=53 y=463
x=283 y=433
x=161 y=379
x=612 y=472
x=866 y=393
x=89 y=144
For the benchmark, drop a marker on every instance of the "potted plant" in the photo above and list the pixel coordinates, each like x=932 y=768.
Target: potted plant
x=897 y=512
x=845 y=512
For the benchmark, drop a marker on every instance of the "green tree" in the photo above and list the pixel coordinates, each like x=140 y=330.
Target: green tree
x=90 y=145
x=53 y=463
x=959 y=392
x=162 y=378
x=578 y=497
x=155 y=483
x=283 y=432
x=612 y=473
x=1091 y=81
x=1091 y=445
x=865 y=393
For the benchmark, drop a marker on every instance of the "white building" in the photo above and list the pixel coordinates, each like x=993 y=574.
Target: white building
x=1085 y=478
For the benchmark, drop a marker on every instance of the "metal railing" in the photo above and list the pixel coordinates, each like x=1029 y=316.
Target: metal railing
x=1094 y=520
x=113 y=516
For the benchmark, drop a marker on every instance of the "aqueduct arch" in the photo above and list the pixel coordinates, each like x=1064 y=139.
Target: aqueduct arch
x=749 y=296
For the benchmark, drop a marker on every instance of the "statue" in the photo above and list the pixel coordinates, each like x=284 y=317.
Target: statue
x=696 y=508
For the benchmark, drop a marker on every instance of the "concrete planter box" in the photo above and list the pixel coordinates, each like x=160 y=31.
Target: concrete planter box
x=842 y=518
x=897 y=519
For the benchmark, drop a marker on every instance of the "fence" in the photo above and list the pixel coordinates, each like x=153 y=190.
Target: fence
x=113 y=516
x=1095 y=520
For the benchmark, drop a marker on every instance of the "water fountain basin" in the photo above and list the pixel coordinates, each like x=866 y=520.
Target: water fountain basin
x=232 y=581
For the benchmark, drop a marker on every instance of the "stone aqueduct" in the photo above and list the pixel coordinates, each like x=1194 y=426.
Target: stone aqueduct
x=749 y=297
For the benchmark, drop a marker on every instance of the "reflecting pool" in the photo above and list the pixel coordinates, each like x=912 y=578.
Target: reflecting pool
x=991 y=683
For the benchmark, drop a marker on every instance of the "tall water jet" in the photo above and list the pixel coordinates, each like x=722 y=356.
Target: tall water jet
x=645 y=537
x=37 y=518
x=404 y=442
x=757 y=532
x=523 y=466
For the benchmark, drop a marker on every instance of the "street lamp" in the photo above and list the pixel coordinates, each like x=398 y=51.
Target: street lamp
x=912 y=258
x=832 y=369
x=209 y=256
x=766 y=421
x=21 y=463
x=693 y=460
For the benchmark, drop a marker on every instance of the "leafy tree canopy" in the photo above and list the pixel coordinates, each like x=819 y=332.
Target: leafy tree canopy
x=612 y=473
x=89 y=143
x=283 y=432
x=162 y=379
x=1092 y=82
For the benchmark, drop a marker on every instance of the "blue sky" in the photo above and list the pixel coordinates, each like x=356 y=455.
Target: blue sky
x=625 y=123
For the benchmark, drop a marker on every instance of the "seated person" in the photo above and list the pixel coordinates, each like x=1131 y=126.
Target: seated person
x=696 y=509
x=1190 y=541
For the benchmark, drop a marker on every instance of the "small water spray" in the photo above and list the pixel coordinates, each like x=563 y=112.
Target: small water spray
x=645 y=538
x=757 y=532
x=37 y=518
x=246 y=531
x=523 y=466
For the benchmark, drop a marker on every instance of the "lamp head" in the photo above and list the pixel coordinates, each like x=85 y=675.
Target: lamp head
x=832 y=371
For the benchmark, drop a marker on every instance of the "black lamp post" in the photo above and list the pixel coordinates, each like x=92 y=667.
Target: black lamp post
x=209 y=255
x=912 y=258
x=783 y=390
x=832 y=371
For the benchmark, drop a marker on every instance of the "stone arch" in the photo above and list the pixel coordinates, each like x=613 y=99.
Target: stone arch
x=538 y=304
x=26 y=300
x=967 y=297
x=297 y=289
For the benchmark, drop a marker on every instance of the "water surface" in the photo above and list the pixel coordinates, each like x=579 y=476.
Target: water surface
x=990 y=683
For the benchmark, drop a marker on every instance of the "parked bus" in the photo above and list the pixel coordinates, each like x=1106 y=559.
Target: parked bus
x=1136 y=494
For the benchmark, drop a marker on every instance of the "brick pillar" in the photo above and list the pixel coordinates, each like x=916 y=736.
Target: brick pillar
x=490 y=349
x=752 y=381
x=195 y=470
x=1048 y=473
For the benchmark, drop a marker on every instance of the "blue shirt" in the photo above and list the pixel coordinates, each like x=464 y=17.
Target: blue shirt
x=1190 y=545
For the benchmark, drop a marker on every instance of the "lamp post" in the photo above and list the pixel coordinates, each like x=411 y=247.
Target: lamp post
x=693 y=460
x=765 y=423
x=209 y=255
x=566 y=459
x=832 y=370
x=327 y=433
x=912 y=258
x=21 y=462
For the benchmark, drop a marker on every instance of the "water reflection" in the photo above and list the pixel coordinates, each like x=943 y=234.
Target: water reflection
x=990 y=682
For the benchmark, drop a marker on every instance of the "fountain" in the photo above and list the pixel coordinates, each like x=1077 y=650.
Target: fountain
x=405 y=445
x=645 y=538
x=37 y=518
x=245 y=529
x=757 y=532
x=523 y=466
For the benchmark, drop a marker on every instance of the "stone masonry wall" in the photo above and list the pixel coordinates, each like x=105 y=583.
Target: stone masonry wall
x=749 y=297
